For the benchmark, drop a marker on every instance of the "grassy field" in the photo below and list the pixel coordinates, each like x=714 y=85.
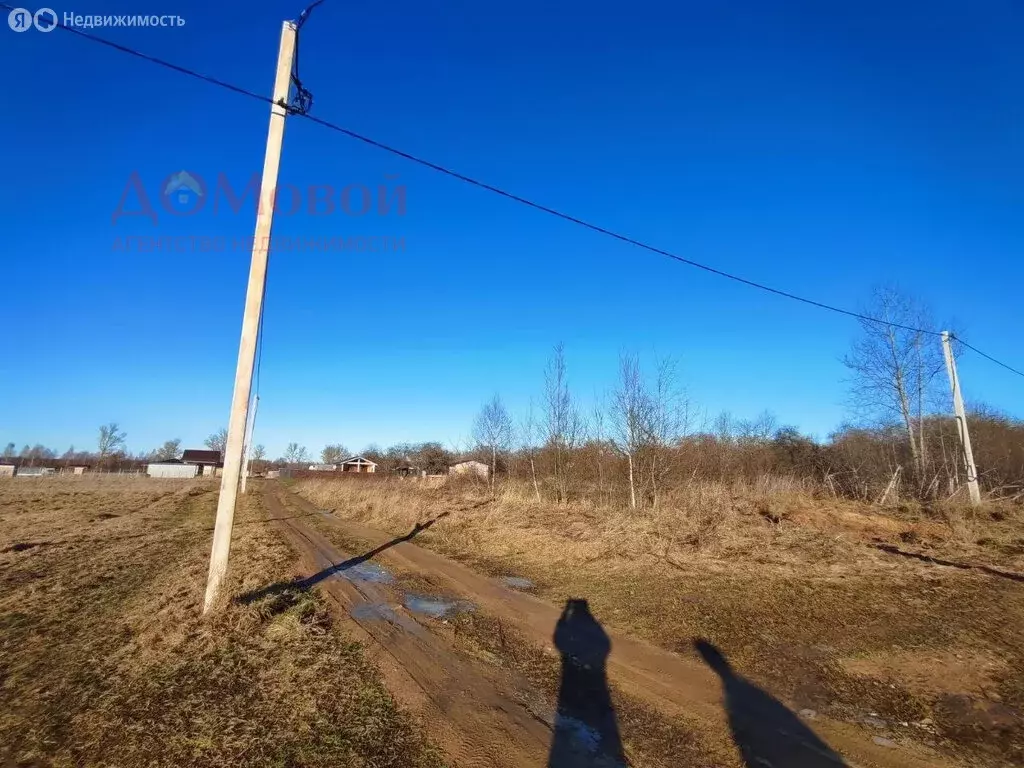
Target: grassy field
x=104 y=658
x=826 y=603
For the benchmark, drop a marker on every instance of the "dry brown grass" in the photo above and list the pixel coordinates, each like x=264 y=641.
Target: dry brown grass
x=775 y=522
x=105 y=658
x=791 y=586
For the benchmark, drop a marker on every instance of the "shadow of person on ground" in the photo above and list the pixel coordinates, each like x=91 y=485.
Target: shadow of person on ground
x=316 y=578
x=586 y=733
x=764 y=729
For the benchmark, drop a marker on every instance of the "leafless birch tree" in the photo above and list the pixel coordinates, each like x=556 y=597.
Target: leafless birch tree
x=295 y=454
x=563 y=425
x=647 y=423
x=218 y=440
x=493 y=430
x=334 y=454
x=169 y=451
x=528 y=431
x=670 y=421
x=599 y=435
x=630 y=418
x=111 y=440
x=895 y=369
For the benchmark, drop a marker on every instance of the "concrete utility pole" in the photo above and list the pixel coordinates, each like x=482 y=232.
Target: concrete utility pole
x=250 y=322
x=961 y=421
x=248 y=440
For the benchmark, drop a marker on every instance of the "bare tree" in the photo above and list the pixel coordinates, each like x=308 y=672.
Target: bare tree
x=630 y=418
x=334 y=454
x=295 y=454
x=9 y=451
x=528 y=431
x=37 y=452
x=493 y=430
x=563 y=425
x=648 y=423
x=169 y=451
x=111 y=440
x=759 y=429
x=669 y=410
x=258 y=455
x=217 y=441
x=895 y=368
x=598 y=433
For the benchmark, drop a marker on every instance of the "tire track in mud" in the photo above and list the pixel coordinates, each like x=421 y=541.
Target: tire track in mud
x=475 y=713
x=490 y=716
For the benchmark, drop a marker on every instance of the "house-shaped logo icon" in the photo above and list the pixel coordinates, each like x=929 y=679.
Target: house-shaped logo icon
x=183 y=189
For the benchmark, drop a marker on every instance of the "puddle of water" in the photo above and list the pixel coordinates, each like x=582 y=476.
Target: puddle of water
x=367 y=571
x=578 y=742
x=435 y=607
x=517 y=582
x=365 y=611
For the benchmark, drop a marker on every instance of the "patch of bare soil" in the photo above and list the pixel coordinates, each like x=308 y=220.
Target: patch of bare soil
x=476 y=711
x=933 y=673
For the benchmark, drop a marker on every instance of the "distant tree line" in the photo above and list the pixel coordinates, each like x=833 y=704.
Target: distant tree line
x=645 y=437
x=111 y=453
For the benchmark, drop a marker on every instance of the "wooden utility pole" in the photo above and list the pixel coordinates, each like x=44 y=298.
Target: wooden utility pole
x=250 y=322
x=248 y=441
x=961 y=421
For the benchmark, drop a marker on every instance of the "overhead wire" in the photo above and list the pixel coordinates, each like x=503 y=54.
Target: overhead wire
x=300 y=108
x=974 y=349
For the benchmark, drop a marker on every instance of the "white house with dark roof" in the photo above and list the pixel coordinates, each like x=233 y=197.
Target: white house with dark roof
x=359 y=464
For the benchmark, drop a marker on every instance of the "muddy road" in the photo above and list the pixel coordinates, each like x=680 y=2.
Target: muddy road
x=547 y=685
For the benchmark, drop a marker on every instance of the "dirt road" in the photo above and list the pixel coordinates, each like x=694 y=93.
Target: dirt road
x=484 y=711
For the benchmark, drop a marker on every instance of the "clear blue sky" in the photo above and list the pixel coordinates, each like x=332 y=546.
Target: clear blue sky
x=818 y=147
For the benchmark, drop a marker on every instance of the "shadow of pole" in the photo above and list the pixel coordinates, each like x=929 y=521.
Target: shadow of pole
x=316 y=578
x=764 y=729
x=586 y=733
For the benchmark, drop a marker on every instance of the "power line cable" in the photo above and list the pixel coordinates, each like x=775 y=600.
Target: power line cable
x=304 y=16
x=302 y=101
x=298 y=109
x=987 y=357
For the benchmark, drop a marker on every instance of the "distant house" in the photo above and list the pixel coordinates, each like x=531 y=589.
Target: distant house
x=174 y=469
x=471 y=467
x=358 y=464
x=323 y=467
x=35 y=471
x=6 y=470
x=207 y=461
